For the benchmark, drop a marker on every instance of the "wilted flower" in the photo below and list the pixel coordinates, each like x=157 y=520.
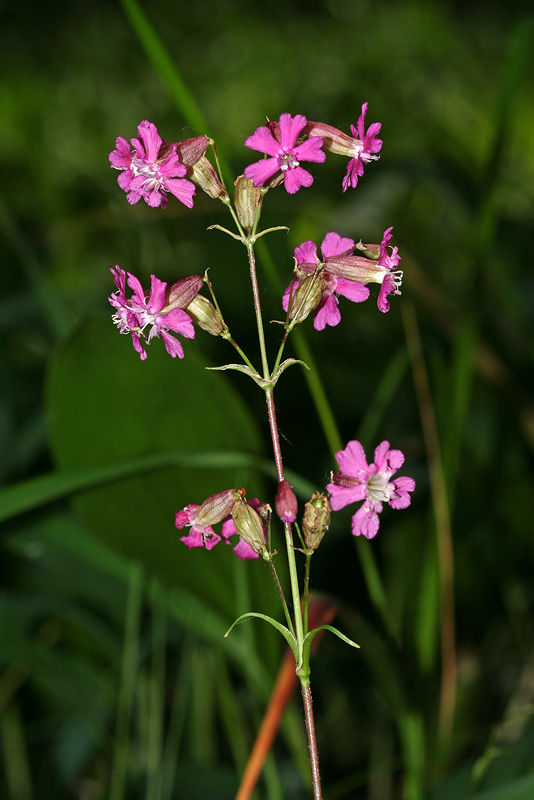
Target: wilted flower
x=279 y=141
x=371 y=483
x=219 y=508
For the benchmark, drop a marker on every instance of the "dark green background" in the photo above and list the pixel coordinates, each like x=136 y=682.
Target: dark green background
x=452 y=85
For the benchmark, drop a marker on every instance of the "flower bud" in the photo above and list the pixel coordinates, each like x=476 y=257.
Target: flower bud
x=316 y=520
x=217 y=507
x=286 y=503
x=247 y=198
x=205 y=315
x=369 y=250
x=249 y=526
x=183 y=292
x=306 y=297
x=203 y=174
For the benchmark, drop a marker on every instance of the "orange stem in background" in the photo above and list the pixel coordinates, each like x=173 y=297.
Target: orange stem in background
x=321 y=612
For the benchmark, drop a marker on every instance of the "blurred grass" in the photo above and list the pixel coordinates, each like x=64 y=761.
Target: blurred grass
x=450 y=84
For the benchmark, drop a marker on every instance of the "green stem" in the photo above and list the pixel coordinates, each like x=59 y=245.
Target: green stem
x=306 y=591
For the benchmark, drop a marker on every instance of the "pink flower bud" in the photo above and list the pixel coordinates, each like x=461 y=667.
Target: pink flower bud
x=286 y=503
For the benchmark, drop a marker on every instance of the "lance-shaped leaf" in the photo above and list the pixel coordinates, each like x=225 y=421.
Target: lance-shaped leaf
x=286 y=633
x=308 y=639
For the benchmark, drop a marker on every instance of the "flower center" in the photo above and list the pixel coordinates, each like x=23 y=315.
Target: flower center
x=287 y=161
x=378 y=488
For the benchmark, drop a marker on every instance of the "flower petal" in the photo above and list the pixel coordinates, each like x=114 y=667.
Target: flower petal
x=295 y=178
x=352 y=459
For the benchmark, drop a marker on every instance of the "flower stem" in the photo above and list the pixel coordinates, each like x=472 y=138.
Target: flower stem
x=312 y=742
x=303 y=670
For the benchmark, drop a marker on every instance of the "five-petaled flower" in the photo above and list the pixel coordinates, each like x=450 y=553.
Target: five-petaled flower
x=151 y=170
x=371 y=483
x=365 y=149
x=279 y=141
x=150 y=311
x=327 y=311
x=361 y=147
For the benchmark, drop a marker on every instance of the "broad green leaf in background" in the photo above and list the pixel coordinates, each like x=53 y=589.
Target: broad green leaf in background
x=105 y=405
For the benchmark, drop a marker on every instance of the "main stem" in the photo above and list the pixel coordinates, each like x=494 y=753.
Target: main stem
x=302 y=671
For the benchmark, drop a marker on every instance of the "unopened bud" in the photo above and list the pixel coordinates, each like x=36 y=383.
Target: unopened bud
x=217 y=507
x=286 y=503
x=247 y=198
x=205 y=315
x=203 y=174
x=183 y=292
x=370 y=250
x=316 y=520
x=249 y=526
x=306 y=297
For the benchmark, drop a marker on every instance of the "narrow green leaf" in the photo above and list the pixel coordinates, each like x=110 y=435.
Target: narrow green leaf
x=288 y=636
x=162 y=63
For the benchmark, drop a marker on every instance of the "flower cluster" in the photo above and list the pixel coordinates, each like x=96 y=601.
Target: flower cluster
x=248 y=520
x=340 y=273
x=158 y=311
x=357 y=480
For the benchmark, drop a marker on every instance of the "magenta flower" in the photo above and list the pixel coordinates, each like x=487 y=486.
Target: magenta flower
x=371 y=483
x=279 y=141
x=327 y=311
x=200 y=535
x=140 y=311
x=364 y=149
x=361 y=147
x=151 y=170
x=392 y=280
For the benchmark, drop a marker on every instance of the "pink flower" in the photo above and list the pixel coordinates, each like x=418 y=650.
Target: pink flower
x=135 y=314
x=327 y=312
x=151 y=170
x=392 y=280
x=365 y=147
x=361 y=147
x=200 y=535
x=279 y=141
x=371 y=483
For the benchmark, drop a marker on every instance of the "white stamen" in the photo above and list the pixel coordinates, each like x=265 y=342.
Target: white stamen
x=378 y=488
